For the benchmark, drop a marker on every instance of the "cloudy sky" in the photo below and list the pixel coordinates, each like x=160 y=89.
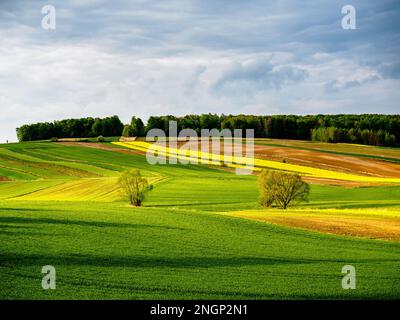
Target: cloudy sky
x=136 y=57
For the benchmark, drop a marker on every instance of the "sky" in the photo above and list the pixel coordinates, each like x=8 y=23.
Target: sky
x=180 y=57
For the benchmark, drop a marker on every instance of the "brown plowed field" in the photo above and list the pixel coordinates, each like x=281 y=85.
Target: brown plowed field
x=349 y=164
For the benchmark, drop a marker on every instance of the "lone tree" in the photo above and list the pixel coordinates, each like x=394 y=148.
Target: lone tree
x=281 y=188
x=134 y=186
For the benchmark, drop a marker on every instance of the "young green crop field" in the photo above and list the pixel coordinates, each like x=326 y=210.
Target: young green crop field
x=201 y=233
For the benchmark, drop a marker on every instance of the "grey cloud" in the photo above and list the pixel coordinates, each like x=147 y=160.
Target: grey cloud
x=258 y=75
x=390 y=70
x=335 y=86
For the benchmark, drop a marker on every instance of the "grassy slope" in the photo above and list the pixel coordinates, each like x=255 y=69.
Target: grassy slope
x=108 y=251
x=176 y=247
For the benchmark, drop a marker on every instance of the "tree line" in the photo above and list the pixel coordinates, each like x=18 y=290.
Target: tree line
x=71 y=128
x=372 y=129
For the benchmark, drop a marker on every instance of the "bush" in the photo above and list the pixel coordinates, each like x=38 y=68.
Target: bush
x=54 y=139
x=100 y=139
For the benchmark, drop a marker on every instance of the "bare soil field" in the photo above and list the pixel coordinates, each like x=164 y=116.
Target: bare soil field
x=349 y=164
x=346 y=148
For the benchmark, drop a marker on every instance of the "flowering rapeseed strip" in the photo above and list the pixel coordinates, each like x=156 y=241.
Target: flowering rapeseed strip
x=240 y=162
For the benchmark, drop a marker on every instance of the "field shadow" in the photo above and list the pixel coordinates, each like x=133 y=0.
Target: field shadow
x=178 y=204
x=160 y=262
x=100 y=224
x=28 y=210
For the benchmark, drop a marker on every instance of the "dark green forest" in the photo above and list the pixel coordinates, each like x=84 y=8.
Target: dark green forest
x=371 y=129
x=71 y=128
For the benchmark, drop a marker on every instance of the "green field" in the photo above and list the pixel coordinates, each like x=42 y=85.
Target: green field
x=59 y=205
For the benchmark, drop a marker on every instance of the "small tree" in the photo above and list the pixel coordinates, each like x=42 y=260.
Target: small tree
x=134 y=186
x=281 y=188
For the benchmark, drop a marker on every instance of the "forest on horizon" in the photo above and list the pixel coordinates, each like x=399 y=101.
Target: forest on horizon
x=369 y=129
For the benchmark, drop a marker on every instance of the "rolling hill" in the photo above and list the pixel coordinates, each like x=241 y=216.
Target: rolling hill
x=201 y=233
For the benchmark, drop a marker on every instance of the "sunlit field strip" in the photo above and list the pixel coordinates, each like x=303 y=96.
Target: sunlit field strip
x=239 y=161
x=205 y=158
x=393 y=212
x=87 y=189
x=370 y=223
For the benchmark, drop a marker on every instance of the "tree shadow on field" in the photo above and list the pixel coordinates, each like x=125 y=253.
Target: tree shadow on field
x=7 y=226
x=100 y=224
x=11 y=259
x=200 y=203
x=29 y=209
